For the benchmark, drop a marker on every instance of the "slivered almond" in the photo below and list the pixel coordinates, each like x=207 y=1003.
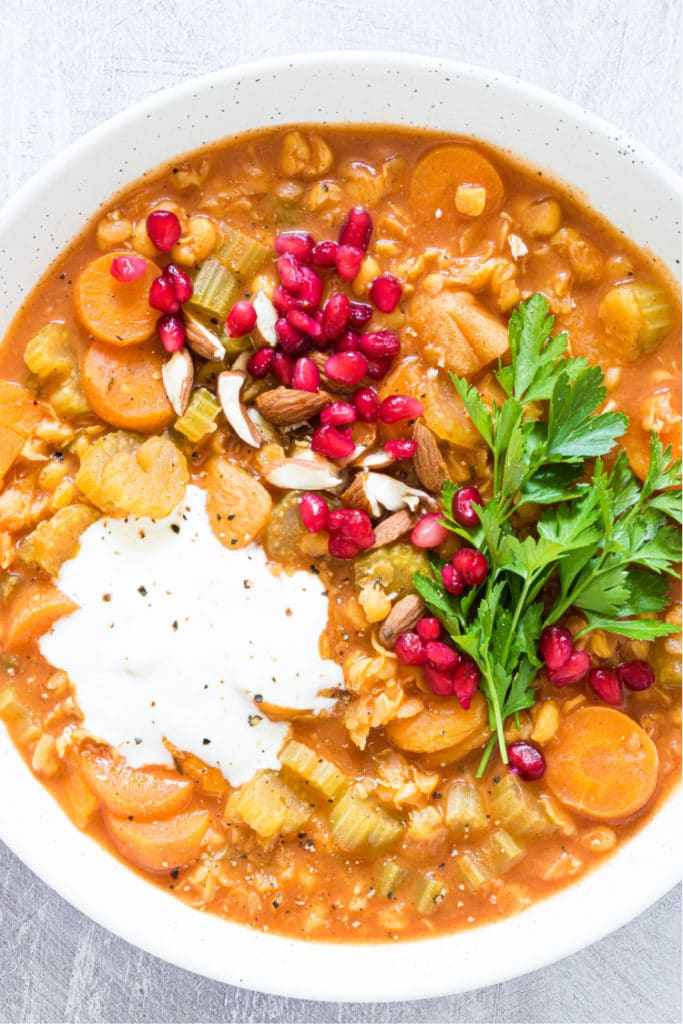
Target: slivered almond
x=228 y=387
x=428 y=461
x=401 y=618
x=355 y=497
x=177 y=375
x=303 y=474
x=203 y=341
x=393 y=527
x=285 y=406
x=320 y=358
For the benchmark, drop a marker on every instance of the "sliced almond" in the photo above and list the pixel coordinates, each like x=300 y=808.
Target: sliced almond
x=303 y=475
x=266 y=318
x=387 y=492
x=177 y=374
x=355 y=497
x=285 y=406
x=242 y=360
x=229 y=384
x=401 y=618
x=320 y=358
x=373 y=460
x=203 y=341
x=517 y=247
x=428 y=461
x=393 y=527
x=265 y=429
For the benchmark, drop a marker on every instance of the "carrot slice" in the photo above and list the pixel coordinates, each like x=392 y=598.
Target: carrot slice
x=159 y=845
x=115 y=311
x=438 y=174
x=32 y=612
x=20 y=413
x=124 y=791
x=124 y=386
x=441 y=725
x=602 y=764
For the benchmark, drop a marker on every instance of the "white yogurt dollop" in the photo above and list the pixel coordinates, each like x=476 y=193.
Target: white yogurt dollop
x=175 y=635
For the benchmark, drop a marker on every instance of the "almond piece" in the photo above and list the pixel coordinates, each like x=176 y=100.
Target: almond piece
x=203 y=341
x=285 y=406
x=393 y=527
x=266 y=318
x=228 y=387
x=300 y=474
x=401 y=618
x=354 y=496
x=428 y=461
x=177 y=375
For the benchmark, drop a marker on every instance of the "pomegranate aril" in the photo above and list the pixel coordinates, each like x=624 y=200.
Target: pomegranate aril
x=325 y=254
x=400 y=407
x=526 y=760
x=452 y=580
x=466 y=677
x=182 y=284
x=128 y=268
x=338 y=414
x=241 y=319
x=472 y=566
x=301 y=321
x=260 y=362
x=311 y=291
x=314 y=511
x=440 y=656
x=305 y=375
x=293 y=342
x=346 y=368
x=331 y=443
x=378 y=368
x=298 y=244
x=291 y=274
x=348 y=342
x=348 y=260
x=162 y=296
x=428 y=628
x=356 y=228
x=555 y=646
x=428 y=532
x=380 y=345
x=573 y=671
x=463 y=500
x=163 y=229
x=284 y=302
x=440 y=683
x=605 y=683
x=367 y=405
x=342 y=547
x=410 y=649
x=636 y=675
x=385 y=292
x=360 y=313
x=401 y=449
x=354 y=524
x=335 y=315
x=171 y=331
x=282 y=368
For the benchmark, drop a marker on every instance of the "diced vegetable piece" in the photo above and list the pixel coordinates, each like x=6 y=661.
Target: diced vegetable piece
x=125 y=386
x=239 y=506
x=145 y=795
x=457 y=333
x=515 y=807
x=56 y=539
x=20 y=413
x=473 y=870
x=602 y=764
x=441 y=725
x=34 y=608
x=357 y=820
x=240 y=253
x=430 y=895
x=215 y=289
x=52 y=355
x=81 y=801
x=668 y=650
x=159 y=845
x=313 y=768
x=11 y=706
x=392 y=876
x=393 y=567
x=639 y=314
x=446 y=416
x=11 y=444
x=504 y=851
x=465 y=812
x=285 y=532
x=198 y=419
x=123 y=475
x=269 y=806
x=117 y=312
x=437 y=176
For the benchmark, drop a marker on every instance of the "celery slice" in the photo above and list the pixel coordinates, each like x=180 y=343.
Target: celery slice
x=473 y=871
x=465 y=811
x=504 y=851
x=269 y=806
x=514 y=806
x=240 y=253
x=309 y=766
x=657 y=312
x=198 y=419
x=53 y=357
x=357 y=820
x=215 y=289
x=391 y=877
x=430 y=895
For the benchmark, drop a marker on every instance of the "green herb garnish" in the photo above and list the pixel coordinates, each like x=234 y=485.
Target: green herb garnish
x=604 y=540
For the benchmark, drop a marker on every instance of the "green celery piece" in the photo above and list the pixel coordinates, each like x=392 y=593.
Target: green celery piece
x=215 y=289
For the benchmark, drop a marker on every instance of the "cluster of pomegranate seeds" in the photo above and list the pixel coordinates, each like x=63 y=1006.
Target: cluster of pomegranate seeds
x=314 y=511
x=526 y=760
x=566 y=666
x=449 y=673
x=170 y=290
x=429 y=532
x=350 y=532
x=241 y=319
x=467 y=568
x=163 y=229
x=128 y=268
x=463 y=501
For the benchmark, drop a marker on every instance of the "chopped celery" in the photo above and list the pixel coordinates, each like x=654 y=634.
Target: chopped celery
x=465 y=811
x=357 y=820
x=473 y=871
x=430 y=895
x=198 y=419
x=514 y=806
x=269 y=806
x=56 y=539
x=310 y=767
x=240 y=253
x=215 y=289
x=392 y=566
x=53 y=357
x=504 y=851
x=391 y=877
x=657 y=313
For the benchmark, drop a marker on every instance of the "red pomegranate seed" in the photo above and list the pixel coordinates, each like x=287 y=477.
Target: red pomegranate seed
x=162 y=296
x=128 y=268
x=305 y=375
x=472 y=566
x=301 y=321
x=526 y=760
x=360 y=314
x=385 y=292
x=428 y=629
x=293 y=342
x=429 y=532
x=380 y=345
x=163 y=228
x=171 y=331
x=556 y=646
x=356 y=228
x=440 y=656
x=314 y=511
x=282 y=366
x=410 y=649
x=466 y=677
x=182 y=284
x=636 y=675
x=348 y=342
x=241 y=319
x=452 y=580
x=605 y=683
x=284 y=302
x=354 y=524
x=330 y=442
x=463 y=500
x=291 y=274
x=325 y=254
x=260 y=362
x=378 y=368
x=311 y=291
x=298 y=244
x=348 y=261
x=335 y=315
x=573 y=671
x=440 y=683
x=346 y=368
x=342 y=547
x=401 y=449
x=367 y=405
x=400 y=407
x=338 y=414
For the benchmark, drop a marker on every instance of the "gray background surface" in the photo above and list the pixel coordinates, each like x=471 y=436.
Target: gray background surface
x=66 y=65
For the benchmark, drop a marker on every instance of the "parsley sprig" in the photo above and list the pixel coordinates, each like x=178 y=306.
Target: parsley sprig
x=604 y=542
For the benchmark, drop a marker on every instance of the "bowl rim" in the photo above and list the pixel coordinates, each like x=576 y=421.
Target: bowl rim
x=318 y=984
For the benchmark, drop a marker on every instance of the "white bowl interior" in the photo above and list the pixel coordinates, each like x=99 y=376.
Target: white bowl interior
x=623 y=182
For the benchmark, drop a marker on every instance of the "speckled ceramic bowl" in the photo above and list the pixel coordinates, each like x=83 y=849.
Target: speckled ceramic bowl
x=621 y=180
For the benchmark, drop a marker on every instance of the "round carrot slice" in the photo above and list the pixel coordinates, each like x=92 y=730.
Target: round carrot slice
x=159 y=845
x=115 y=311
x=124 y=386
x=438 y=175
x=602 y=764
x=125 y=791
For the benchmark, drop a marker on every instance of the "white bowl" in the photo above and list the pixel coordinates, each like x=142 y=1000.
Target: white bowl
x=621 y=180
